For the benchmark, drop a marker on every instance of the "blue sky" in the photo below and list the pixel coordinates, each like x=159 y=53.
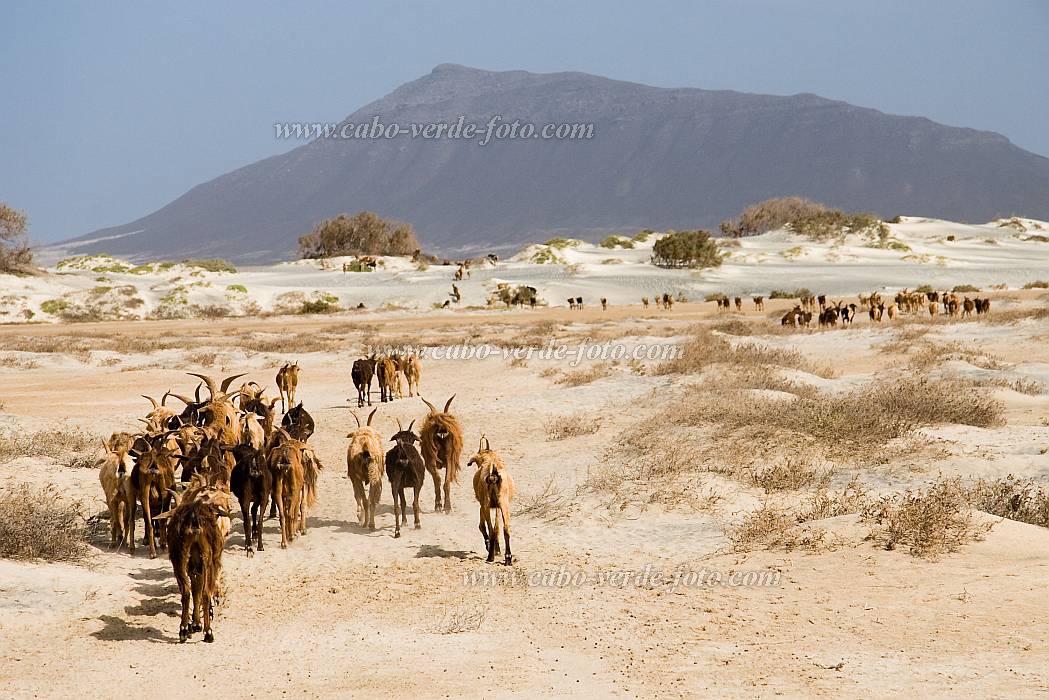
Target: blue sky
x=110 y=110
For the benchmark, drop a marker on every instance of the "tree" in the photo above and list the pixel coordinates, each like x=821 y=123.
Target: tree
x=15 y=255
x=686 y=249
x=364 y=233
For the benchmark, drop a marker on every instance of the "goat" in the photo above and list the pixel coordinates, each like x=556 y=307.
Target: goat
x=759 y=303
x=644 y=302
x=299 y=423
x=398 y=370
x=604 y=304
x=668 y=301
x=288 y=479
x=252 y=483
x=934 y=308
x=288 y=383
x=739 y=303
x=405 y=469
x=579 y=302
x=412 y=370
x=113 y=475
x=968 y=307
x=494 y=489
x=151 y=478
x=571 y=303
x=364 y=466
x=362 y=372
x=442 y=446
x=196 y=531
x=158 y=420
x=385 y=369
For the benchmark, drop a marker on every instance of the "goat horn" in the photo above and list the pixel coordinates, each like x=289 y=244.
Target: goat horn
x=151 y=400
x=354 y=413
x=196 y=393
x=487 y=445
x=180 y=397
x=433 y=409
x=143 y=420
x=410 y=425
x=480 y=444
x=229 y=380
x=449 y=403
x=164 y=398
x=370 y=415
x=399 y=426
x=207 y=380
x=105 y=446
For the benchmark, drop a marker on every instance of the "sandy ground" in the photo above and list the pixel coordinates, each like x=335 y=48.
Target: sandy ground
x=346 y=612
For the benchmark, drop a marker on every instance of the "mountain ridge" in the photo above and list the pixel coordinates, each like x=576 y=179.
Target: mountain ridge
x=659 y=158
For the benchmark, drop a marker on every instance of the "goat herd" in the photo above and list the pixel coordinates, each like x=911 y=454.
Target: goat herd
x=830 y=312
x=228 y=443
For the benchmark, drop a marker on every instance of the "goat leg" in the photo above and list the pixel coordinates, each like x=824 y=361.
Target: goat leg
x=415 y=506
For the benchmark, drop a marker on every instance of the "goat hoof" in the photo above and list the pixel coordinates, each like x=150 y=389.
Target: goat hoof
x=152 y=555
x=508 y=561
x=209 y=636
x=418 y=526
x=183 y=635
x=490 y=559
x=250 y=553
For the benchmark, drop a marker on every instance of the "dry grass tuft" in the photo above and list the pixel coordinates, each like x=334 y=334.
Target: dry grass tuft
x=930 y=522
x=550 y=503
x=707 y=348
x=791 y=474
x=35 y=523
x=462 y=617
x=580 y=377
x=56 y=443
x=573 y=425
x=1014 y=498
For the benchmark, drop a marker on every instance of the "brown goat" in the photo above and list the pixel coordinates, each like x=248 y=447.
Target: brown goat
x=196 y=532
x=365 y=463
x=288 y=384
x=494 y=489
x=285 y=464
x=412 y=371
x=441 y=438
x=151 y=478
x=113 y=474
x=386 y=371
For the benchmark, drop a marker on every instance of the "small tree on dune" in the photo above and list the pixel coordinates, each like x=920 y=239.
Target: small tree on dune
x=686 y=249
x=364 y=233
x=15 y=255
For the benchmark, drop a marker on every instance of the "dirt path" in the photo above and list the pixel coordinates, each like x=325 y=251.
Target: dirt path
x=349 y=612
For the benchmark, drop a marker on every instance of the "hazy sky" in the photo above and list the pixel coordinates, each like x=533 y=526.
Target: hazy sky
x=110 y=110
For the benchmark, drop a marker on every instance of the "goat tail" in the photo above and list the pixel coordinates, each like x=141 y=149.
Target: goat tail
x=311 y=468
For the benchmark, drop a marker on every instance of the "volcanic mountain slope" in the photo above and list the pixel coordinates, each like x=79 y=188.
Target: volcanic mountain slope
x=658 y=157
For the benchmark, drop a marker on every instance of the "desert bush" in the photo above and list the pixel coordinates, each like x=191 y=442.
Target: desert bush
x=321 y=303
x=549 y=503
x=237 y=288
x=930 y=522
x=211 y=265
x=1037 y=284
x=36 y=523
x=805 y=217
x=364 y=233
x=705 y=348
x=642 y=236
x=585 y=376
x=15 y=253
x=1011 y=497
x=55 y=443
x=686 y=249
x=789 y=474
x=616 y=241
x=562 y=243
x=965 y=288
x=573 y=425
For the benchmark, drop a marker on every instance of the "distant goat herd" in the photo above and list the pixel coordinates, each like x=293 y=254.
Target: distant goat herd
x=229 y=444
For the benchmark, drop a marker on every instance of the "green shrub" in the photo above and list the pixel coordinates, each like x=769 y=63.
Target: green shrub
x=965 y=288
x=642 y=236
x=616 y=241
x=803 y=216
x=238 y=288
x=686 y=249
x=1037 y=284
x=54 y=306
x=562 y=243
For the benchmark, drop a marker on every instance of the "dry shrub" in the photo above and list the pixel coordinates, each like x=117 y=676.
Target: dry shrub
x=550 y=503
x=56 y=443
x=1013 y=498
x=927 y=354
x=574 y=425
x=16 y=362
x=202 y=358
x=930 y=522
x=706 y=348
x=733 y=327
x=580 y=377
x=35 y=523
x=790 y=474
x=865 y=417
x=1021 y=385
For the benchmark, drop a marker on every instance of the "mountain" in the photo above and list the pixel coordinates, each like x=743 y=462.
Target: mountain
x=658 y=158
